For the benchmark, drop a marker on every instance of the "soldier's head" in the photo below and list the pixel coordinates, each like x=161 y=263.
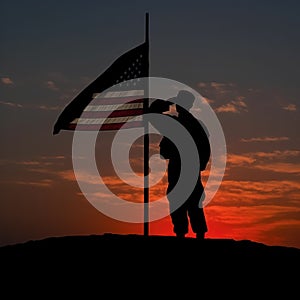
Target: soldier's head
x=184 y=99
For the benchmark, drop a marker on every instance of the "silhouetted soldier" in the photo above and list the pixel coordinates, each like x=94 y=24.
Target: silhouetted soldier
x=191 y=209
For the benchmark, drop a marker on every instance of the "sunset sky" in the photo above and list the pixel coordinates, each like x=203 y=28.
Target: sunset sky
x=243 y=57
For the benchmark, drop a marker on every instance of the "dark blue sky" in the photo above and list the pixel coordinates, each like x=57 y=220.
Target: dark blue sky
x=254 y=42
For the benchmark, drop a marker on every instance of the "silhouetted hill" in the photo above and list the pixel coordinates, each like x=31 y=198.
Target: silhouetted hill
x=113 y=257
x=63 y=247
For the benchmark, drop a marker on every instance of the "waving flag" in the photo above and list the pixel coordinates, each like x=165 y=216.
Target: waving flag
x=117 y=99
x=123 y=103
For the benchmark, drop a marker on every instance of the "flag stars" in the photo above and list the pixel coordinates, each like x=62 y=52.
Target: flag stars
x=131 y=72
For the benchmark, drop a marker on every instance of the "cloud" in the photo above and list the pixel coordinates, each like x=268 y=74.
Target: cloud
x=39 y=164
x=202 y=84
x=11 y=104
x=51 y=85
x=41 y=161
x=228 y=94
x=29 y=163
x=236 y=159
x=221 y=87
x=279 y=167
x=42 y=107
x=277 y=154
x=70 y=176
x=40 y=183
x=265 y=139
x=227 y=108
x=274 y=161
x=6 y=81
x=250 y=158
x=207 y=100
x=255 y=193
x=234 y=106
x=290 y=107
x=40 y=172
x=267 y=186
x=47 y=107
x=30 y=182
x=54 y=157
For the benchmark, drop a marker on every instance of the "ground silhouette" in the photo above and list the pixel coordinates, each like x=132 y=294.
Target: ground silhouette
x=120 y=246
x=138 y=261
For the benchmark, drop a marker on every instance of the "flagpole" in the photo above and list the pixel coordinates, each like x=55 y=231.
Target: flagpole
x=146 y=137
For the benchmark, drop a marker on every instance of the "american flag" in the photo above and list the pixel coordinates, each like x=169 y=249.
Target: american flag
x=112 y=110
x=114 y=100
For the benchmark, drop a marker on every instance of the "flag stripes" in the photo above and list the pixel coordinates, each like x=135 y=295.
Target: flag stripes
x=103 y=127
x=114 y=101
x=113 y=114
x=121 y=94
x=101 y=114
